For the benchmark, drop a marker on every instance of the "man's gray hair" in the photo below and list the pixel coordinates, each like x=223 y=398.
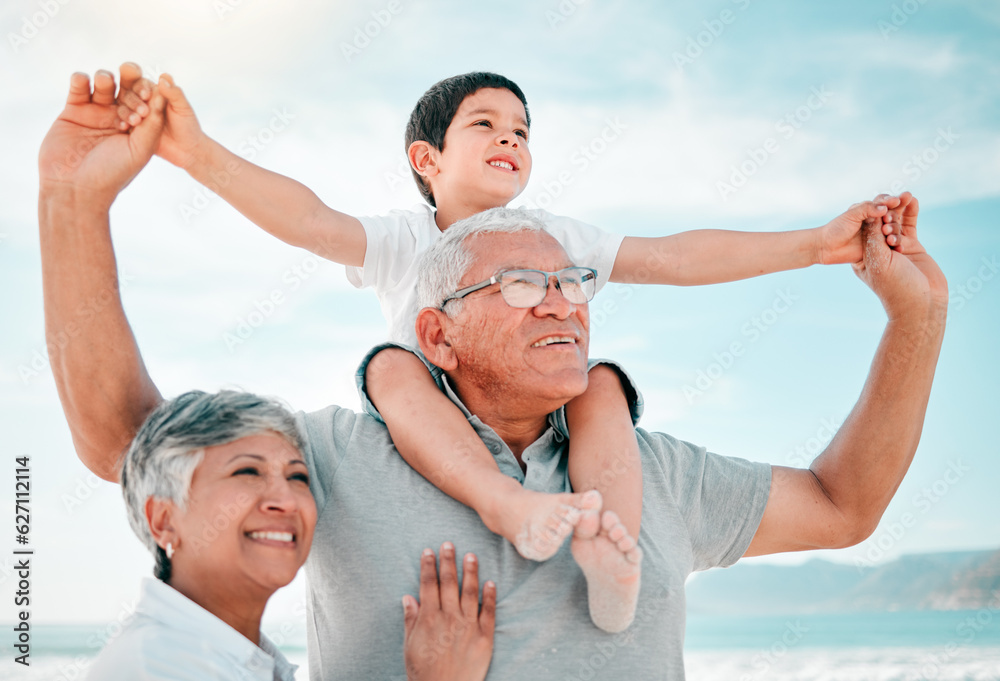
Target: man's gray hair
x=171 y=443
x=445 y=263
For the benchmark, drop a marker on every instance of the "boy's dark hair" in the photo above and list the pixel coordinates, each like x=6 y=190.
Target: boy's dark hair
x=436 y=108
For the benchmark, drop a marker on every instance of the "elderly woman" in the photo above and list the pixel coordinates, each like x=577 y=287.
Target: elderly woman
x=217 y=489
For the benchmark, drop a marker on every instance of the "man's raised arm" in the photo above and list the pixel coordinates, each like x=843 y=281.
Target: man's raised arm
x=84 y=162
x=840 y=499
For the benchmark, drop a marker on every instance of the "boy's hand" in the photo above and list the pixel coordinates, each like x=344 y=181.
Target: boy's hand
x=447 y=637
x=182 y=135
x=840 y=239
x=133 y=96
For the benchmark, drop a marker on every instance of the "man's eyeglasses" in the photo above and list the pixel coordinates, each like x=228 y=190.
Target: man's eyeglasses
x=527 y=288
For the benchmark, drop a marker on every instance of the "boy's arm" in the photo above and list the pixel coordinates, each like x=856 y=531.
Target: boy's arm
x=713 y=256
x=280 y=205
x=277 y=204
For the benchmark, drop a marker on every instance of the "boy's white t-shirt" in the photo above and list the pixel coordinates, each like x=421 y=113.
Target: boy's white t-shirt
x=397 y=240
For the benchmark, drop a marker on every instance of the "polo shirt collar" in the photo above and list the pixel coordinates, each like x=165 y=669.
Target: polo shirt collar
x=542 y=457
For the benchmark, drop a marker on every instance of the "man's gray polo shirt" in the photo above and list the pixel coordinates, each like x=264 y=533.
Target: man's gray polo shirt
x=376 y=514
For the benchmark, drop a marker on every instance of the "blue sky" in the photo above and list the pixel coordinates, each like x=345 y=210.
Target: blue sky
x=823 y=104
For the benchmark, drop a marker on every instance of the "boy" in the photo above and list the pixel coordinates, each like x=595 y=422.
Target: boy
x=467 y=144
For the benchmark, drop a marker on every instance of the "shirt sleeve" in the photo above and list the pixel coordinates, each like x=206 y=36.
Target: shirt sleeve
x=326 y=434
x=391 y=247
x=587 y=246
x=362 y=383
x=721 y=499
x=159 y=654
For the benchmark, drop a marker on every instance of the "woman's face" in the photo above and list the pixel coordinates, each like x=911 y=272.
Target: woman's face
x=249 y=519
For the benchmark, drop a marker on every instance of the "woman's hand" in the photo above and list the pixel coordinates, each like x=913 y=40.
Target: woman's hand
x=86 y=150
x=448 y=637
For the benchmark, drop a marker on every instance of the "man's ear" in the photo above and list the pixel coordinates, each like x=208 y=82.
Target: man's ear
x=431 y=326
x=423 y=158
x=159 y=515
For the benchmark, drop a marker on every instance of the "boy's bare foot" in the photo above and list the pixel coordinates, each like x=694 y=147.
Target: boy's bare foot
x=612 y=563
x=537 y=524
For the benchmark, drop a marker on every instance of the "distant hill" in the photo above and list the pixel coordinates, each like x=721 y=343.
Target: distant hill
x=933 y=581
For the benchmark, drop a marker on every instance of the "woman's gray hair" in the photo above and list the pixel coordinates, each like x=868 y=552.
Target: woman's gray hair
x=171 y=443
x=445 y=263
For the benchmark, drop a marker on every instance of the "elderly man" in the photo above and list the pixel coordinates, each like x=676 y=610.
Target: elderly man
x=699 y=510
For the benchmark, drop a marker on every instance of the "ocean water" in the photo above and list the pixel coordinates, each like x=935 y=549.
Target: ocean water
x=847 y=664
x=897 y=646
x=915 y=646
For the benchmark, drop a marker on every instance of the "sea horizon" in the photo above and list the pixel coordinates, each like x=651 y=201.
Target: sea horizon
x=889 y=646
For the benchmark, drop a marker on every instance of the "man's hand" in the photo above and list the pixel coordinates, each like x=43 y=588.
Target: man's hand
x=447 y=637
x=907 y=275
x=900 y=229
x=840 y=499
x=86 y=150
x=182 y=136
x=840 y=239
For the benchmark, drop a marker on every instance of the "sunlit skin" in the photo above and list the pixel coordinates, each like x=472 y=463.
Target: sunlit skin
x=490 y=351
x=252 y=485
x=489 y=126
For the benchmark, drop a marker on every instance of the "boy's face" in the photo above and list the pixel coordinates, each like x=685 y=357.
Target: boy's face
x=485 y=162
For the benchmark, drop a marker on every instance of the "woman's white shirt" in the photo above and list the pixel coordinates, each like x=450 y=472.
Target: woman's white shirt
x=172 y=637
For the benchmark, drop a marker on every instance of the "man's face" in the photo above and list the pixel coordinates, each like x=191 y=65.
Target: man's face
x=485 y=155
x=528 y=354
